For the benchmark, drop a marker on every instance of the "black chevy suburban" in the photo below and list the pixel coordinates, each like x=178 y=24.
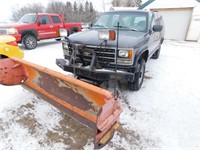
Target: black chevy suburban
x=116 y=47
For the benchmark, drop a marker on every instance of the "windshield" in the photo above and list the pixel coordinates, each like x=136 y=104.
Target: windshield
x=136 y=21
x=28 y=19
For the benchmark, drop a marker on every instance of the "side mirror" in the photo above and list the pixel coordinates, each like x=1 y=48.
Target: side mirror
x=157 y=28
x=63 y=32
x=39 y=23
x=90 y=25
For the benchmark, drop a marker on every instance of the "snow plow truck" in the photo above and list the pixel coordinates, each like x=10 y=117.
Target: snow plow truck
x=116 y=47
x=92 y=106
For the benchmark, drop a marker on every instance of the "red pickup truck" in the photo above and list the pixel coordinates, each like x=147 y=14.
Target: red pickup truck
x=34 y=27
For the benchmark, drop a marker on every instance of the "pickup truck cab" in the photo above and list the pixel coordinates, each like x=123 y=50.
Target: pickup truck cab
x=92 y=55
x=38 y=26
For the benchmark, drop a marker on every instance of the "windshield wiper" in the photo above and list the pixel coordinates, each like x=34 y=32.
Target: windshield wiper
x=98 y=25
x=128 y=28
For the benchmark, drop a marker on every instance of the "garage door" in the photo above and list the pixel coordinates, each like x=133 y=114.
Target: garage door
x=177 y=21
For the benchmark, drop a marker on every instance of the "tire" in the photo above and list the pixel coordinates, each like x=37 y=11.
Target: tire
x=156 y=54
x=29 y=41
x=139 y=77
x=74 y=30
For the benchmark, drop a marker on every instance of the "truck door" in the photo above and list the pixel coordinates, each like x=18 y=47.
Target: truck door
x=45 y=27
x=154 y=37
x=57 y=24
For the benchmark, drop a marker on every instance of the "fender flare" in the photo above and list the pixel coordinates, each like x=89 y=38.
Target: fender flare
x=29 y=31
x=141 y=53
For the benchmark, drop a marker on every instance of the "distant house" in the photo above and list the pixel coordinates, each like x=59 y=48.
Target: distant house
x=181 y=17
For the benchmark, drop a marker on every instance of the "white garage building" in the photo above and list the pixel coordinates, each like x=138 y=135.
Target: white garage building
x=181 y=17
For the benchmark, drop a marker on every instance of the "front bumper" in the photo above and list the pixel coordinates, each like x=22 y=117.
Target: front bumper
x=95 y=74
x=18 y=37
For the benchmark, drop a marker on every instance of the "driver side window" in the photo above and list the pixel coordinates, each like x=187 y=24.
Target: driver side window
x=44 y=20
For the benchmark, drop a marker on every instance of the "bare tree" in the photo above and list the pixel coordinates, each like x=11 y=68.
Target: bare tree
x=68 y=15
x=116 y=3
x=75 y=11
x=92 y=13
x=34 y=8
x=56 y=7
x=80 y=13
x=126 y=3
x=71 y=12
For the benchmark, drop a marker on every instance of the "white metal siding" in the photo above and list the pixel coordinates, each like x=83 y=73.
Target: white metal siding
x=176 y=22
x=194 y=28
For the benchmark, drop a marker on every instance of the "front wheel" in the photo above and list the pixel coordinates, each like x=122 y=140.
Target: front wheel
x=139 y=77
x=29 y=42
x=74 y=29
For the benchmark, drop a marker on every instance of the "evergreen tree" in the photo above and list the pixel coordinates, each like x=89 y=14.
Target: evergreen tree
x=71 y=12
x=80 y=13
x=34 y=8
x=75 y=12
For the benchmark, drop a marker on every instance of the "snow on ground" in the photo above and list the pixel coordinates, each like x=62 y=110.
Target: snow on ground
x=164 y=114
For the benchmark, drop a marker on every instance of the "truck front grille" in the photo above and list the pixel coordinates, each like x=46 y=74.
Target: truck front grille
x=3 y=31
x=104 y=55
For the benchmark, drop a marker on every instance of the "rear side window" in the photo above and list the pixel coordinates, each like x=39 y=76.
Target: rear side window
x=55 y=19
x=44 y=19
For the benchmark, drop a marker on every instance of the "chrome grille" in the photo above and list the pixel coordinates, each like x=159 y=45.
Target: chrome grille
x=3 y=31
x=104 y=55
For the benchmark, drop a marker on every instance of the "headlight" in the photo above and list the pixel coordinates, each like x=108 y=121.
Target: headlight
x=65 y=48
x=123 y=53
x=65 y=45
x=12 y=31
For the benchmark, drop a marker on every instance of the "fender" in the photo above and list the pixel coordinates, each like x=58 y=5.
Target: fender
x=29 y=31
x=141 y=51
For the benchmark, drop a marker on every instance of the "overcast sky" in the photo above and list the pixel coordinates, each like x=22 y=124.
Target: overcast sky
x=7 y=5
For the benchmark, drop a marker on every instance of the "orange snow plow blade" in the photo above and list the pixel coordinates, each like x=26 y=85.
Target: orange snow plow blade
x=94 y=107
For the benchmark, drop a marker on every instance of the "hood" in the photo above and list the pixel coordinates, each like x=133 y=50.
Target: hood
x=14 y=25
x=127 y=38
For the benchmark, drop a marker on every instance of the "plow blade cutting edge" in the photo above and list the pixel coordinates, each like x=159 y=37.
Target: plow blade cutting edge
x=94 y=107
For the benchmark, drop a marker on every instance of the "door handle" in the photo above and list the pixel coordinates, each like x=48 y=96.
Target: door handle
x=51 y=26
